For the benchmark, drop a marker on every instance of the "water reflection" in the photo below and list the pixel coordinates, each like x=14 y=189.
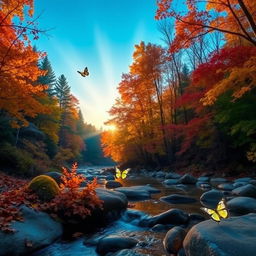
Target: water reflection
x=150 y=241
x=155 y=206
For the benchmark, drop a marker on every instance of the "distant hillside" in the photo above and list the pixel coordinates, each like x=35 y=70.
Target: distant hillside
x=93 y=153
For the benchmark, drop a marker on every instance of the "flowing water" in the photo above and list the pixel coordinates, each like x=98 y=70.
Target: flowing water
x=150 y=241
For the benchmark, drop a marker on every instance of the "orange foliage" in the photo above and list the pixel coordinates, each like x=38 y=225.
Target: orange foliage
x=235 y=18
x=72 y=200
x=18 y=65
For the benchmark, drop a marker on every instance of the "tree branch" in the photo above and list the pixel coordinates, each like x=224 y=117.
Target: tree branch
x=248 y=16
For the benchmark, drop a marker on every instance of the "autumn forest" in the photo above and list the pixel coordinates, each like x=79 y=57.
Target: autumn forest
x=129 y=128
x=189 y=102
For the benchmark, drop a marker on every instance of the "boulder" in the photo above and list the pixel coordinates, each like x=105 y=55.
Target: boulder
x=36 y=231
x=161 y=227
x=160 y=174
x=194 y=219
x=172 y=216
x=170 y=182
x=178 y=199
x=211 y=198
x=204 y=178
x=112 y=200
x=253 y=182
x=173 y=240
x=113 y=243
x=242 y=205
x=138 y=192
x=113 y=184
x=239 y=184
x=226 y=186
x=233 y=236
x=188 y=179
x=172 y=175
x=246 y=190
x=203 y=185
x=244 y=179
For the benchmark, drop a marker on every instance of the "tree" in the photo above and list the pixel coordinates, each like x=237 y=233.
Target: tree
x=62 y=92
x=18 y=63
x=234 y=18
x=49 y=78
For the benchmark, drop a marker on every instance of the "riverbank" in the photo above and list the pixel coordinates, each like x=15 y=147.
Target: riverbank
x=151 y=226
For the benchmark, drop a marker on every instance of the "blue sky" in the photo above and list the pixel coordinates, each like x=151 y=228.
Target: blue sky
x=99 y=34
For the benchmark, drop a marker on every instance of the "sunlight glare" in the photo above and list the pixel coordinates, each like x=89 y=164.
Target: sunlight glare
x=110 y=127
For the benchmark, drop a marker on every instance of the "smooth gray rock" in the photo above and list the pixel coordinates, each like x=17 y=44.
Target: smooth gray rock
x=188 y=179
x=112 y=200
x=211 y=198
x=246 y=190
x=38 y=229
x=161 y=227
x=113 y=184
x=242 y=205
x=173 y=240
x=160 y=174
x=194 y=219
x=253 y=182
x=203 y=178
x=113 y=243
x=234 y=236
x=178 y=199
x=138 y=192
x=239 y=184
x=172 y=175
x=172 y=216
x=203 y=185
x=226 y=186
x=244 y=179
x=170 y=182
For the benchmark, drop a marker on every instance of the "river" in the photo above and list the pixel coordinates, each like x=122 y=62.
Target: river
x=150 y=241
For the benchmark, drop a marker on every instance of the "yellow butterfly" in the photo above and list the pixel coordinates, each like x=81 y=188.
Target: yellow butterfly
x=84 y=73
x=121 y=174
x=220 y=213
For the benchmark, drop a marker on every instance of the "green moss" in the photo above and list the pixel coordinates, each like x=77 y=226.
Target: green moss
x=45 y=187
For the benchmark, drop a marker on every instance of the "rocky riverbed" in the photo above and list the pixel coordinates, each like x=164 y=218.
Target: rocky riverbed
x=164 y=217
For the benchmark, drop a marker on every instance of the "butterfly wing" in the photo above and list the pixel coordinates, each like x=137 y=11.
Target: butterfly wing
x=214 y=215
x=81 y=73
x=86 y=72
x=222 y=209
x=124 y=173
x=118 y=173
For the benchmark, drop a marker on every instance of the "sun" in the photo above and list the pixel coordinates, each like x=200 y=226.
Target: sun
x=111 y=127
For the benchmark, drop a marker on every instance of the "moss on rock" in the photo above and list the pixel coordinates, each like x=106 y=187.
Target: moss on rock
x=45 y=187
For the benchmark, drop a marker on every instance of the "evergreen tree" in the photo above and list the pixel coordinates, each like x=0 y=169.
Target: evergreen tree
x=62 y=92
x=81 y=125
x=49 y=78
